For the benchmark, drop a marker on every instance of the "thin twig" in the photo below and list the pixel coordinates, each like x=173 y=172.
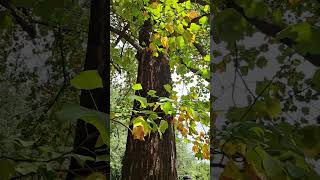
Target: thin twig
x=259 y=95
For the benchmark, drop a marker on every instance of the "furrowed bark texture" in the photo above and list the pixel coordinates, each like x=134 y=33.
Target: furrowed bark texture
x=154 y=158
x=86 y=135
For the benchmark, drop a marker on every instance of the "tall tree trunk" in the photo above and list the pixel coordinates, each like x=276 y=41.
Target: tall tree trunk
x=154 y=158
x=96 y=59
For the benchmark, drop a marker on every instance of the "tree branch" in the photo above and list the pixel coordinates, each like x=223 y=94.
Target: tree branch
x=271 y=30
x=195 y=71
x=217 y=165
x=261 y=93
x=200 y=49
x=127 y=38
x=126 y=27
x=18 y=17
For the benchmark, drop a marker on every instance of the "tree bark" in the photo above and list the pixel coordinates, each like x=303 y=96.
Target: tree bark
x=154 y=158
x=86 y=135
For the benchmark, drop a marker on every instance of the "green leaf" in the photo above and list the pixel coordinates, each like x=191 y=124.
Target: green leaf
x=163 y=126
x=139 y=121
x=81 y=159
x=7 y=169
x=294 y=171
x=262 y=62
x=5 y=20
x=192 y=113
x=167 y=108
x=231 y=171
x=272 y=166
x=172 y=43
x=100 y=124
x=143 y=101
x=308 y=140
x=229 y=26
x=316 y=81
x=305 y=36
x=194 y=27
x=152 y=93
x=207 y=58
x=96 y=176
x=206 y=8
x=255 y=161
x=260 y=86
x=230 y=148
x=168 y=88
x=137 y=87
x=203 y=20
x=180 y=41
x=24 y=143
x=273 y=107
x=234 y=114
x=72 y=112
x=258 y=131
x=244 y=70
x=25 y=168
x=253 y=8
x=87 y=80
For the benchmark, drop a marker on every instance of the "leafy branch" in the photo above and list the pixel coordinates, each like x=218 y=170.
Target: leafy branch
x=271 y=30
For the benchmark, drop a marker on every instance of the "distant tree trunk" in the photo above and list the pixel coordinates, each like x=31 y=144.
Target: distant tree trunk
x=154 y=158
x=96 y=59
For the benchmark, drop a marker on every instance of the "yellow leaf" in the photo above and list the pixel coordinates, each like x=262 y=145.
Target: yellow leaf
x=165 y=42
x=155 y=54
x=205 y=151
x=156 y=36
x=154 y=5
x=174 y=120
x=230 y=149
x=195 y=149
x=174 y=98
x=193 y=14
x=206 y=155
x=242 y=149
x=180 y=126
x=145 y=14
x=138 y=133
x=152 y=47
x=189 y=36
x=184 y=132
x=201 y=134
x=183 y=108
x=231 y=172
x=169 y=28
x=181 y=117
x=205 y=148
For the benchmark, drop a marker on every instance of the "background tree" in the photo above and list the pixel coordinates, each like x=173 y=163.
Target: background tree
x=43 y=47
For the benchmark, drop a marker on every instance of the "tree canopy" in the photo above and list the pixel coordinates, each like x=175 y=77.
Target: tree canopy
x=265 y=110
